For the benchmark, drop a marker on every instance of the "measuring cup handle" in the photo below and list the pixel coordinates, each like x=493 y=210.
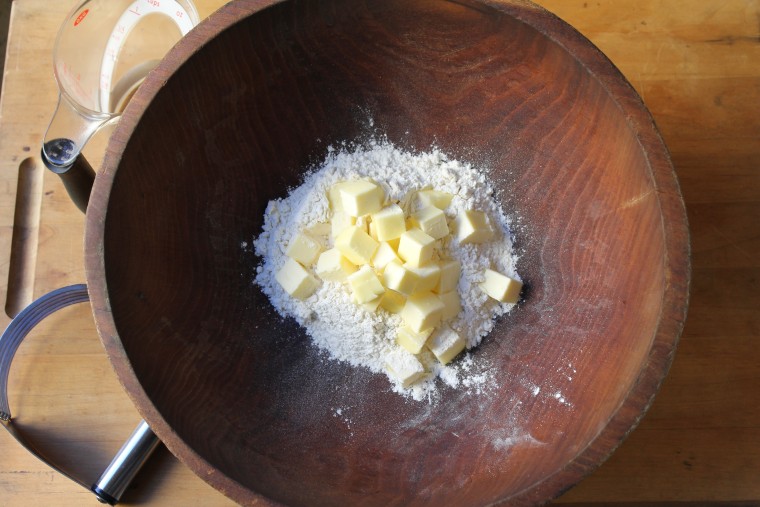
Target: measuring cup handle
x=133 y=454
x=77 y=177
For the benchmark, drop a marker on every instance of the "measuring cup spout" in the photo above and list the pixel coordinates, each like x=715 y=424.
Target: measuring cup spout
x=69 y=131
x=72 y=124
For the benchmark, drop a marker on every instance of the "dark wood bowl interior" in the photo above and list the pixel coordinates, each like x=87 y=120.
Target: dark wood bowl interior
x=232 y=118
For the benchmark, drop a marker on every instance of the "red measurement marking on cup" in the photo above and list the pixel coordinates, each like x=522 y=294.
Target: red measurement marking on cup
x=81 y=17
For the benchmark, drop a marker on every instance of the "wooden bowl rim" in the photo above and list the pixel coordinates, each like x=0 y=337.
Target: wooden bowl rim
x=677 y=270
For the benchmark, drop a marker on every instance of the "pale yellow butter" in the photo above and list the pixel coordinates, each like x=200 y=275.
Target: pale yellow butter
x=361 y=197
x=365 y=285
x=501 y=287
x=303 y=248
x=452 y=304
x=400 y=279
x=370 y=306
x=449 y=279
x=340 y=222
x=472 y=227
x=429 y=274
x=432 y=222
x=333 y=197
x=389 y=222
x=416 y=247
x=404 y=367
x=363 y=223
x=437 y=198
x=422 y=311
x=445 y=344
x=393 y=301
x=384 y=255
x=412 y=341
x=296 y=280
x=356 y=245
x=333 y=266
x=320 y=229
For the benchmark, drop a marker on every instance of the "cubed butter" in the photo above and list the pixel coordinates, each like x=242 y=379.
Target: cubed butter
x=333 y=197
x=501 y=287
x=432 y=222
x=422 y=311
x=393 y=301
x=397 y=277
x=384 y=255
x=452 y=305
x=363 y=223
x=296 y=280
x=361 y=197
x=429 y=274
x=472 y=227
x=370 y=306
x=356 y=245
x=320 y=229
x=412 y=341
x=416 y=247
x=390 y=222
x=303 y=248
x=445 y=344
x=432 y=197
x=333 y=266
x=340 y=222
x=404 y=367
x=449 y=279
x=365 y=285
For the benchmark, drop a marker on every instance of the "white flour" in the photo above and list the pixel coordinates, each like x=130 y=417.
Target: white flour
x=348 y=332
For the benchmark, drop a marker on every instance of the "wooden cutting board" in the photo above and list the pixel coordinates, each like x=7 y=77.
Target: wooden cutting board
x=697 y=67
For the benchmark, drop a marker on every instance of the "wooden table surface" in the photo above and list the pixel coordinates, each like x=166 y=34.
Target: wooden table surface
x=697 y=66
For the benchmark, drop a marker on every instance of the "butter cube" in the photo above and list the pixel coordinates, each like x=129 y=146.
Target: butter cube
x=473 y=227
x=412 y=341
x=320 y=229
x=296 y=281
x=452 y=305
x=363 y=223
x=370 y=306
x=389 y=222
x=422 y=311
x=501 y=287
x=445 y=344
x=333 y=197
x=397 y=277
x=356 y=245
x=393 y=301
x=429 y=275
x=361 y=197
x=430 y=197
x=432 y=222
x=384 y=255
x=404 y=367
x=303 y=248
x=365 y=285
x=416 y=247
x=340 y=222
x=333 y=266
x=449 y=279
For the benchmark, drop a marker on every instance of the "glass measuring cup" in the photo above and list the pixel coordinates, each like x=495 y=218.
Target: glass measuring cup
x=103 y=51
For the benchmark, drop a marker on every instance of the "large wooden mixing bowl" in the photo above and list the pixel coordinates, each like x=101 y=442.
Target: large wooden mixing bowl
x=230 y=120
